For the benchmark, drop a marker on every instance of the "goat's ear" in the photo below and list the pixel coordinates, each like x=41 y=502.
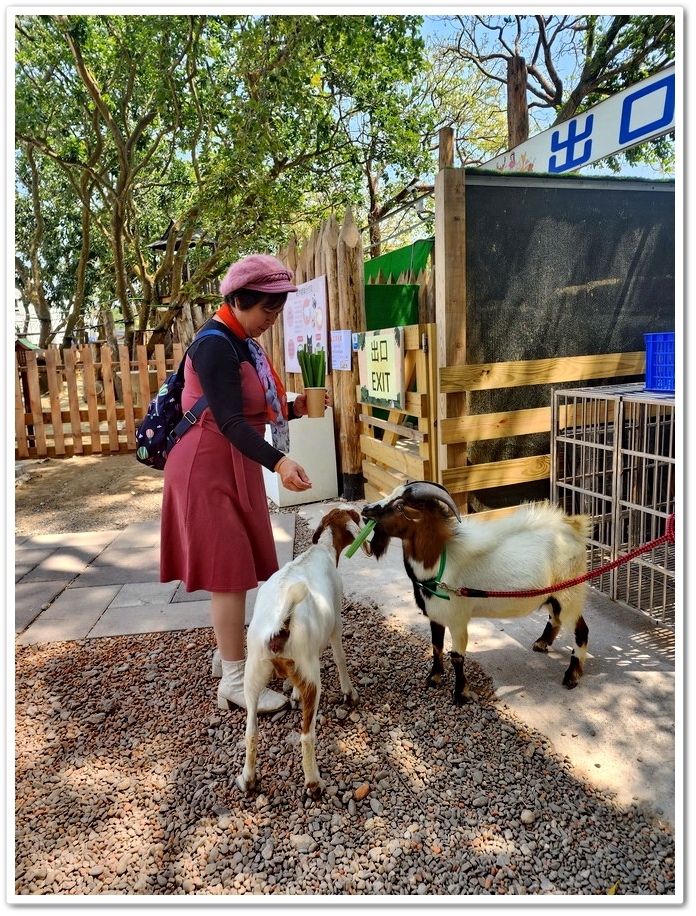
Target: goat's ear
x=355 y=515
x=317 y=533
x=412 y=514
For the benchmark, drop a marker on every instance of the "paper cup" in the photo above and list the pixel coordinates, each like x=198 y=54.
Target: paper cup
x=315 y=401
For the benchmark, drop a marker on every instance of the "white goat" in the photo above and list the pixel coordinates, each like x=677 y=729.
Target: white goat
x=535 y=547
x=296 y=615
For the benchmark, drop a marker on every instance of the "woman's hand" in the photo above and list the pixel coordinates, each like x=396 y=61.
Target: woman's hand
x=292 y=475
x=299 y=405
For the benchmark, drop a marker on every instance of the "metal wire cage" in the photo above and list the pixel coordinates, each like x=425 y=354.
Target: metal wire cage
x=613 y=458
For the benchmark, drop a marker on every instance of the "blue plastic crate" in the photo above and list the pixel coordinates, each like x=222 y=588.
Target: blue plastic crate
x=659 y=362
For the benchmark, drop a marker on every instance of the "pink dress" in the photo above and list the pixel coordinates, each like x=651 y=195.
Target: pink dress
x=216 y=529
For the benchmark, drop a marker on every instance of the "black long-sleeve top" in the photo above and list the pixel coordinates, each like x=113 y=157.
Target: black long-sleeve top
x=217 y=365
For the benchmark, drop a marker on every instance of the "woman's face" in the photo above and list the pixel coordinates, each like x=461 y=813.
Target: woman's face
x=258 y=318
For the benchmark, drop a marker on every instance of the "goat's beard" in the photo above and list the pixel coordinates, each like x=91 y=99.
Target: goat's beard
x=379 y=543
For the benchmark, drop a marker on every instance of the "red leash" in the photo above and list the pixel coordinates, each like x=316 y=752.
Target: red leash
x=532 y=593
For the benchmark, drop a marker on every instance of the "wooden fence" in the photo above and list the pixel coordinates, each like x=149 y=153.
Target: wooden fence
x=80 y=401
x=335 y=252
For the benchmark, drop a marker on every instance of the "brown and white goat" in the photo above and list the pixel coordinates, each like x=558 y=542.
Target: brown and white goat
x=535 y=547
x=297 y=613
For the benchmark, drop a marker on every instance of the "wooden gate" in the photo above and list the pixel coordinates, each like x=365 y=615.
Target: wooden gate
x=404 y=446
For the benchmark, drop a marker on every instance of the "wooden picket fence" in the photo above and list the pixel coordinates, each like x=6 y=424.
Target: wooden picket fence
x=80 y=401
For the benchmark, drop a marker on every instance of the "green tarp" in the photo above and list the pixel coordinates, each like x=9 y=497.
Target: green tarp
x=390 y=305
x=411 y=258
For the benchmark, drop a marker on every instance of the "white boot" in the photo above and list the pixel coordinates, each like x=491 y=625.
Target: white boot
x=231 y=690
x=216 y=668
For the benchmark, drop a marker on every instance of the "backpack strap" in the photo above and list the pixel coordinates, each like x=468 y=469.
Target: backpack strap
x=191 y=416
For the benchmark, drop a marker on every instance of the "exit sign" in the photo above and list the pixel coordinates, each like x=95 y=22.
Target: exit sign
x=381 y=367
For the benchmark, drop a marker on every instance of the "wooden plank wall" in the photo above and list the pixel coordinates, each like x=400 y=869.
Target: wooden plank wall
x=335 y=252
x=465 y=428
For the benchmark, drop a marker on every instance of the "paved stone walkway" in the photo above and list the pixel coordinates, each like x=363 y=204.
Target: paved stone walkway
x=106 y=583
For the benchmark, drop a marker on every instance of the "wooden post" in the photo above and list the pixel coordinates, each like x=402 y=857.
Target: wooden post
x=128 y=406
x=351 y=284
x=289 y=257
x=336 y=391
x=302 y=275
x=90 y=394
x=21 y=428
x=54 y=377
x=445 y=153
x=109 y=398
x=273 y=342
x=450 y=298
x=70 y=359
x=320 y=269
x=517 y=109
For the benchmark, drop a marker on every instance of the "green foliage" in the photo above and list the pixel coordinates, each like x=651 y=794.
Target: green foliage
x=243 y=126
x=247 y=128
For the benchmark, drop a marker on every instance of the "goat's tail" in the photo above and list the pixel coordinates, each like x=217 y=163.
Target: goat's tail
x=294 y=594
x=581 y=525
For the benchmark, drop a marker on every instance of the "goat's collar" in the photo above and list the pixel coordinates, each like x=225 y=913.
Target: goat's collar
x=430 y=585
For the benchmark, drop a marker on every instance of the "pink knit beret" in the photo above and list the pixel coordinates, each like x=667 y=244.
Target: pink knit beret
x=261 y=272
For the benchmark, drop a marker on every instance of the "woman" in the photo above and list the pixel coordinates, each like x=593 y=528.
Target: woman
x=216 y=526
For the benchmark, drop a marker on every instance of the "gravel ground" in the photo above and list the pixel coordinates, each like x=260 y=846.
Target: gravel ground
x=125 y=784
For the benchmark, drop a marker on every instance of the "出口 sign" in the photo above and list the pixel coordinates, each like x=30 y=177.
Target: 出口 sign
x=381 y=367
x=640 y=113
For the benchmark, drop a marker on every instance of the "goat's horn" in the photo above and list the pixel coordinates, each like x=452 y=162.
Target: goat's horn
x=425 y=489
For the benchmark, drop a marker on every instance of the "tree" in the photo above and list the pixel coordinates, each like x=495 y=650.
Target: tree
x=601 y=56
x=226 y=131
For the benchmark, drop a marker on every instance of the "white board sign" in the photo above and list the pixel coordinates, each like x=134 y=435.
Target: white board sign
x=341 y=351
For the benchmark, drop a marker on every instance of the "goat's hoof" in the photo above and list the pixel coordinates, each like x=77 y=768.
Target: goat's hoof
x=463 y=699
x=246 y=785
x=433 y=680
x=315 y=789
x=573 y=673
x=350 y=699
x=540 y=646
x=570 y=681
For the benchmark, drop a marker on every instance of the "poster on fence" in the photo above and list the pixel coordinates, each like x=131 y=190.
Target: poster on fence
x=341 y=351
x=305 y=324
x=381 y=367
